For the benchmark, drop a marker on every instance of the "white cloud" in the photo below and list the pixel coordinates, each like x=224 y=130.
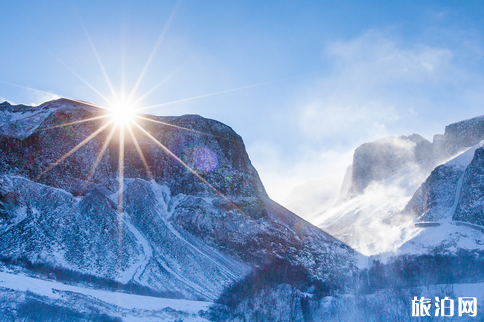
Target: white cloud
x=346 y=117
x=373 y=84
x=375 y=57
x=377 y=86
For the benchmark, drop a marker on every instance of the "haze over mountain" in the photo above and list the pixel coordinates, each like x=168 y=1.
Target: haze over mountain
x=397 y=181
x=416 y=207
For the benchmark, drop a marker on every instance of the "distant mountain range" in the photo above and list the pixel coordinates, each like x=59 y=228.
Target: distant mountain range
x=401 y=190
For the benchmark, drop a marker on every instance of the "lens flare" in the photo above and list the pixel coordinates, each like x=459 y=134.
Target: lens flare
x=204 y=159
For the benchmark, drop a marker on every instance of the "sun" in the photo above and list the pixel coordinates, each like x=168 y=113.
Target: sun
x=122 y=109
x=122 y=112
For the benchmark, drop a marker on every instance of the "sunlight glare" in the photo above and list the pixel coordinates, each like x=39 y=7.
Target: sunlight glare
x=122 y=112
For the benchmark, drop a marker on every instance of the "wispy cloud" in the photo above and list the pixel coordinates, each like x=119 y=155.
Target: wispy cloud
x=378 y=85
x=374 y=83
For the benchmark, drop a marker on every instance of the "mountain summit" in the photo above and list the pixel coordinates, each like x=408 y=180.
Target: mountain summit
x=188 y=218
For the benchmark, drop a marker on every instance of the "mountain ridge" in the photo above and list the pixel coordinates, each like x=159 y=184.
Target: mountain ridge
x=385 y=187
x=192 y=231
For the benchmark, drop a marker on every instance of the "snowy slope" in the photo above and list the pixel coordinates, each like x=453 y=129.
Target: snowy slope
x=21 y=121
x=133 y=306
x=371 y=222
x=438 y=196
x=447 y=238
x=396 y=181
x=176 y=234
x=438 y=227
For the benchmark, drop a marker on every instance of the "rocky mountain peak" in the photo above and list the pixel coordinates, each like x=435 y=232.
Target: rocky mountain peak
x=378 y=160
x=210 y=148
x=464 y=134
x=195 y=221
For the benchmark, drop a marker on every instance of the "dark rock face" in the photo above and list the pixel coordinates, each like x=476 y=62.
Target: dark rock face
x=398 y=180
x=176 y=233
x=471 y=202
x=378 y=160
x=219 y=157
x=435 y=197
x=461 y=135
x=223 y=161
x=453 y=190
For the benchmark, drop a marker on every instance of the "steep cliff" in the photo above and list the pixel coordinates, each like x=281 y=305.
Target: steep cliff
x=190 y=219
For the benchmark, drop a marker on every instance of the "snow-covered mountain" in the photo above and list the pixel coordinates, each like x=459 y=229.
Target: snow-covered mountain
x=191 y=224
x=395 y=180
x=381 y=159
x=417 y=207
x=448 y=207
x=180 y=233
x=377 y=186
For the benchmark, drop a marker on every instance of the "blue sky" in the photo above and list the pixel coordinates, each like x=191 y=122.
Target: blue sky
x=333 y=74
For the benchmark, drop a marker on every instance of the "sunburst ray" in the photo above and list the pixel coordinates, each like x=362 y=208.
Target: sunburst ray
x=224 y=91
x=77 y=147
x=205 y=95
x=123 y=64
x=29 y=88
x=85 y=81
x=99 y=157
x=153 y=52
x=186 y=129
x=121 y=170
x=89 y=104
x=140 y=152
x=121 y=194
x=75 y=74
x=71 y=123
x=168 y=151
x=142 y=97
x=98 y=58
